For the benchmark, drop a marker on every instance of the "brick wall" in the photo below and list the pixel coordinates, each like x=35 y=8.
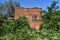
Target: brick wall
x=33 y=14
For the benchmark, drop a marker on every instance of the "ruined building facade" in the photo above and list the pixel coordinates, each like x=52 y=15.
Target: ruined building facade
x=33 y=15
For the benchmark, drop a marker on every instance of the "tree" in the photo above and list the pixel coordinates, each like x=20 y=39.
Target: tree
x=51 y=17
x=9 y=7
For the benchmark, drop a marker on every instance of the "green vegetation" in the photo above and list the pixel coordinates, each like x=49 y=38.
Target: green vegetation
x=7 y=8
x=51 y=17
x=19 y=29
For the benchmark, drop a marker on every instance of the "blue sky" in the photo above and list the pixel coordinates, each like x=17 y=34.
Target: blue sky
x=34 y=3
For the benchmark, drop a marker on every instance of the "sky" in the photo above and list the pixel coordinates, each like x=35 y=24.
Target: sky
x=34 y=3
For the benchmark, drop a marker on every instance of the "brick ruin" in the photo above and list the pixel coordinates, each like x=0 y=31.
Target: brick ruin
x=33 y=15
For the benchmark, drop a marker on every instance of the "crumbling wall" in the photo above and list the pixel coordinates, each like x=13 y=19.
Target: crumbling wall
x=33 y=15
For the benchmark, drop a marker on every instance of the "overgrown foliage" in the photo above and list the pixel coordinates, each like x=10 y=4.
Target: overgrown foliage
x=51 y=17
x=19 y=30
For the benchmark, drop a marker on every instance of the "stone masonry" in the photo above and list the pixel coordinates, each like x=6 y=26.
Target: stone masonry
x=33 y=15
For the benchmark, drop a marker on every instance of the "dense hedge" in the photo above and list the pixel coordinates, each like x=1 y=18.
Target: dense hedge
x=12 y=26
x=19 y=30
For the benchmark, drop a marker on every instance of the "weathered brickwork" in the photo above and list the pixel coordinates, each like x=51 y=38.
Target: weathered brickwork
x=33 y=15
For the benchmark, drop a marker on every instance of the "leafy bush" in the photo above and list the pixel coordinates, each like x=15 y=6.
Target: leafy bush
x=16 y=30
x=12 y=26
